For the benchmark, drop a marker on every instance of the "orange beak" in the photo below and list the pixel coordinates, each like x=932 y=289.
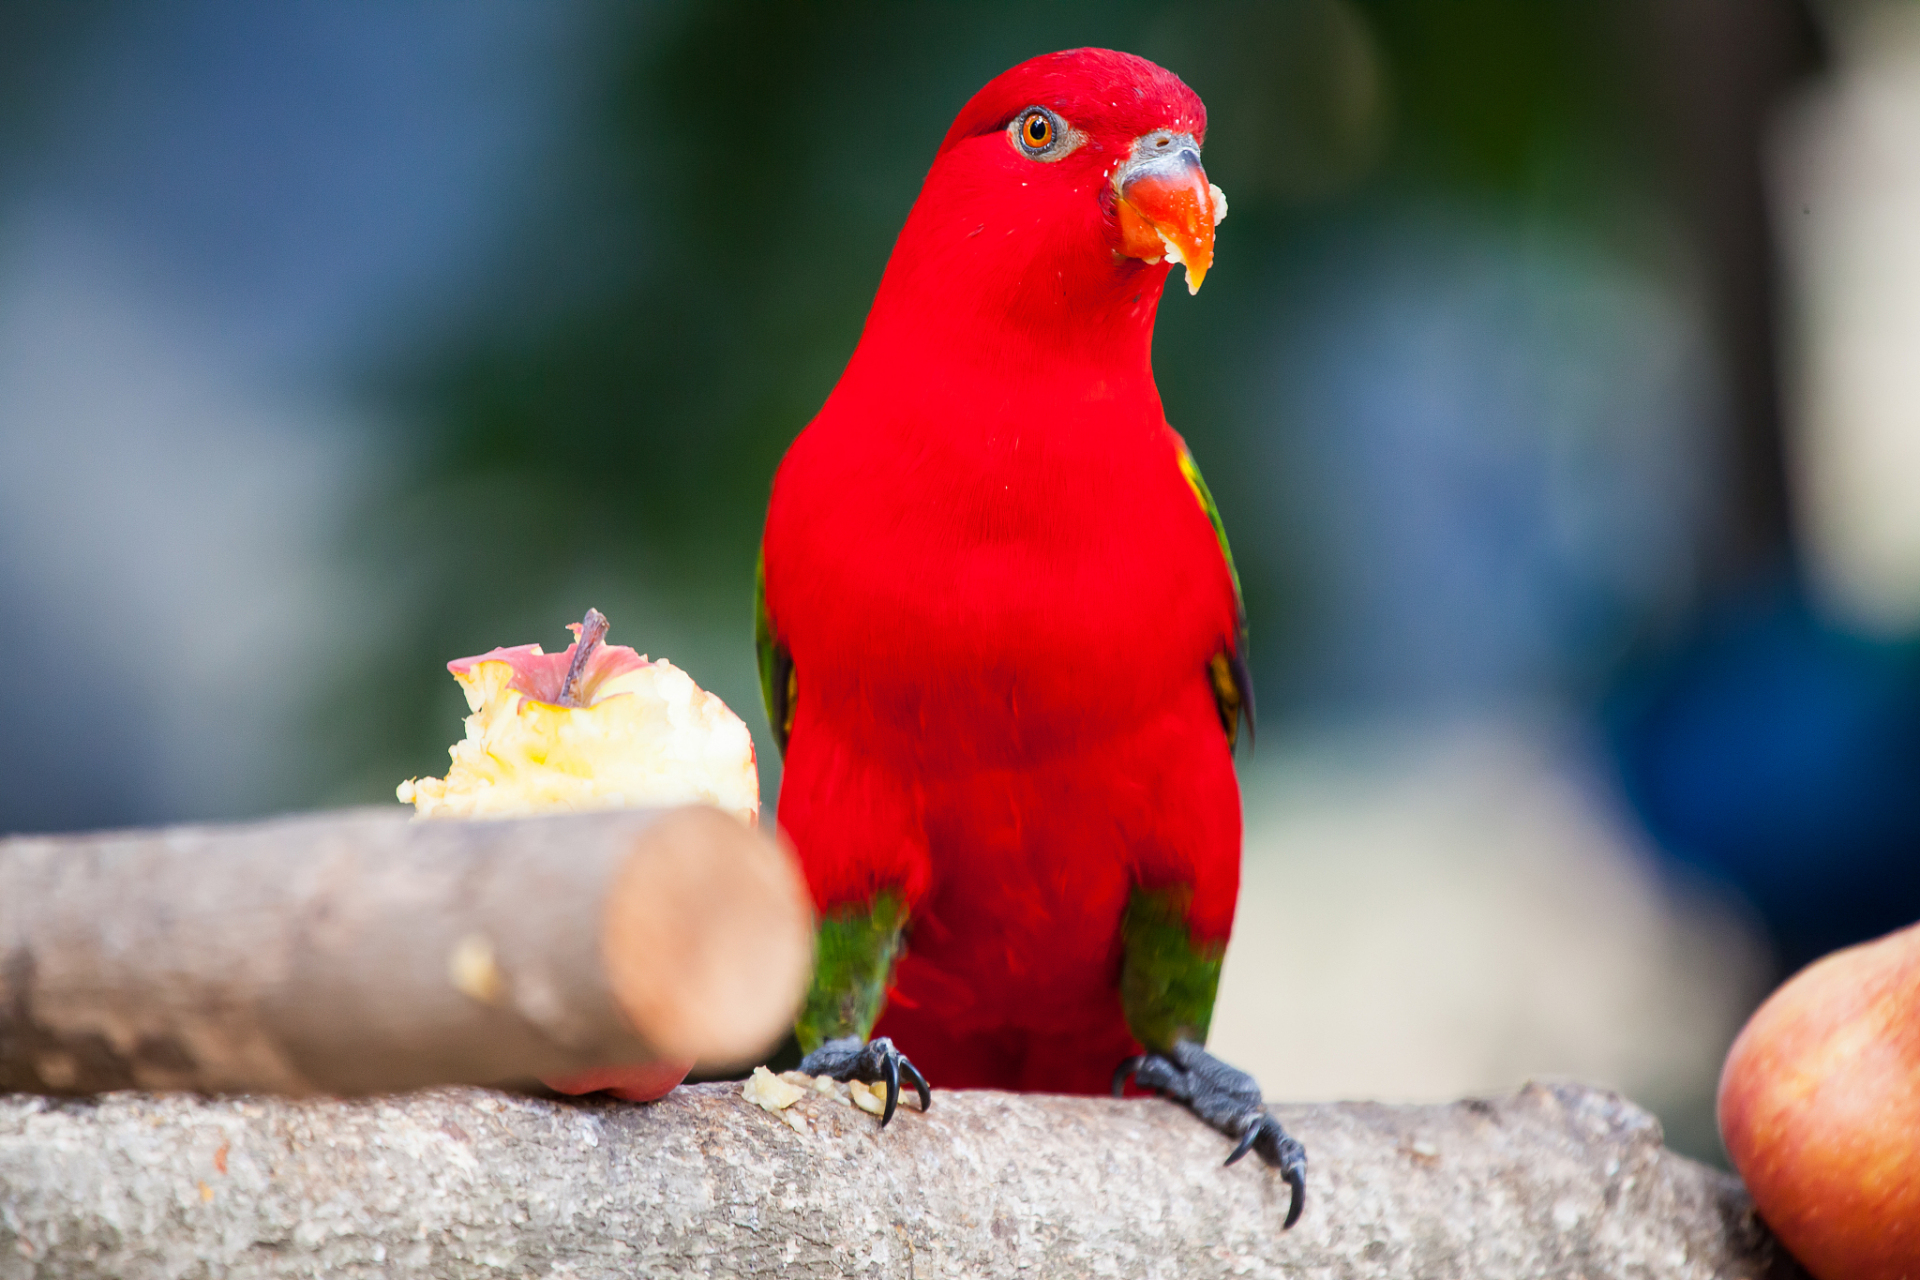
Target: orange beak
x=1167 y=207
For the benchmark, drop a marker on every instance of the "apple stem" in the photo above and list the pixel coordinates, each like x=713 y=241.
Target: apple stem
x=590 y=630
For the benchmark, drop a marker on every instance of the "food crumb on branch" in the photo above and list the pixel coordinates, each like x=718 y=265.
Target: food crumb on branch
x=769 y=1092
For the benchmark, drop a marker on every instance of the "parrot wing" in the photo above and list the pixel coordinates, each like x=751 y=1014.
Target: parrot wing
x=1232 y=683
x=778 y=683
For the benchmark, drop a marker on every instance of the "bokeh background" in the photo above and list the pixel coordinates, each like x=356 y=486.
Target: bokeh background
x=1559 y=382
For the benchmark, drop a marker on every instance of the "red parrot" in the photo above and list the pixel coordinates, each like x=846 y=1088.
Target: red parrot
x=1000 y=632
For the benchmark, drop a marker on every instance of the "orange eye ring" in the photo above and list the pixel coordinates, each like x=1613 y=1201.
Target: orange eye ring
x=1037 y=130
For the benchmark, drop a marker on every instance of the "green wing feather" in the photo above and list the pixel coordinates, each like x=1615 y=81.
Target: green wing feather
x=1167 y=980
x=1232 y=684
x=779 y=687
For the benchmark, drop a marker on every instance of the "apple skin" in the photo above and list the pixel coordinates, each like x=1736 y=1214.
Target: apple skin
x=644 y=1082
x=1820 y=1110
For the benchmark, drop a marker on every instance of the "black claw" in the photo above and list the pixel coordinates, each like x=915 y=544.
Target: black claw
x=1297 y=1179
x=1121 y=1073
x=919 y=1083
x=1246 y=1142
x=891 y=1064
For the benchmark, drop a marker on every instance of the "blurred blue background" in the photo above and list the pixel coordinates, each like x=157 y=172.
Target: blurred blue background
x=1550 y=396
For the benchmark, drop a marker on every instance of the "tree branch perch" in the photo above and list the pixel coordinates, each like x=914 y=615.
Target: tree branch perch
x=1552 y=1181
x=356 y=953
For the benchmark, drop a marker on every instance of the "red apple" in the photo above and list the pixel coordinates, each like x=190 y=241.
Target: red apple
x=1820 y=1110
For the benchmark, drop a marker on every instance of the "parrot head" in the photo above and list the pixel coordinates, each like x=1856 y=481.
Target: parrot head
x=1105 y=147
x=1060 y=199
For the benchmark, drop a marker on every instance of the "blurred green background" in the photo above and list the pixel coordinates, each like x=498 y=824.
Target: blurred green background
x=643 y=239
x=340 y=340
x=603 y=425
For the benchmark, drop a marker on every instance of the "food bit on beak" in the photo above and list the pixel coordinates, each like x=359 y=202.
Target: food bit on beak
x=1167 y=207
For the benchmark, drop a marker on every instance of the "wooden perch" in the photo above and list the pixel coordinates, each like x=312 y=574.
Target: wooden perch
x=1556 y=1181
x=367 y=953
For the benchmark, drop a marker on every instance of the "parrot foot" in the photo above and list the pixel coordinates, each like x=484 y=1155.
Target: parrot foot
x=870 y=1063
x=1229 y=1100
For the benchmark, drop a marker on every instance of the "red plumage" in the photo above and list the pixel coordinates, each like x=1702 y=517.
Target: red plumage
x=1001 y=597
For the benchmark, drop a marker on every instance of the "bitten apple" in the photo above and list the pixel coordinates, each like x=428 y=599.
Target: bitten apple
x=1820 y=1110
x=595 y=727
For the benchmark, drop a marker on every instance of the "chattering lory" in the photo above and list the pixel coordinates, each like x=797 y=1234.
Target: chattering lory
x=1000 y=633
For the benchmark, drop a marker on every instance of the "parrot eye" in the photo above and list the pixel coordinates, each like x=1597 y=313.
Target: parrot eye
x=1039 y=134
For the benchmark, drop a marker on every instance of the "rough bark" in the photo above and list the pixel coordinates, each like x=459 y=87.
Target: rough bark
x=365 y=953
x=1552 y=1181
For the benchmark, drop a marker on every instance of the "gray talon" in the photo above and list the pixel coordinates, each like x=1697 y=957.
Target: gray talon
x=1229 y=1100
x=872 y=1062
